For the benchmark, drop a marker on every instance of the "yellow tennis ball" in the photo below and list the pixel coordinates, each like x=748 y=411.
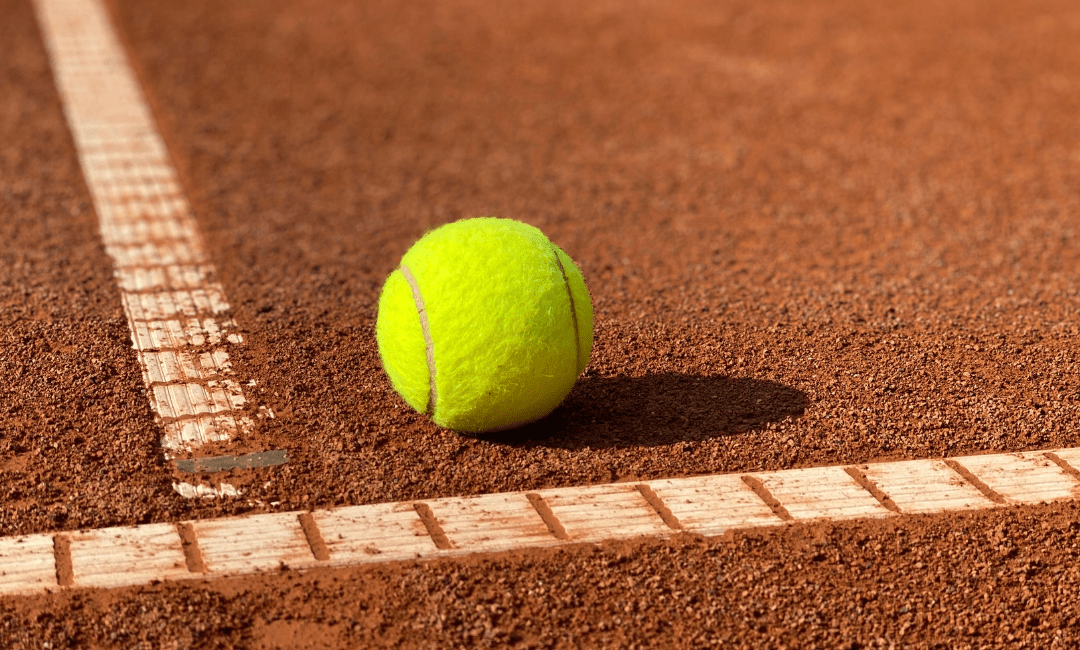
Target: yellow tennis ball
x=485 y=325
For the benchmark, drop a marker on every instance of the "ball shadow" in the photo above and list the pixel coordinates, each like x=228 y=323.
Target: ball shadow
x=657 y=410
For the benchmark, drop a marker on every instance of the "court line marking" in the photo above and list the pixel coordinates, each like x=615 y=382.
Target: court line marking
x=176 y=310
x=441 y=528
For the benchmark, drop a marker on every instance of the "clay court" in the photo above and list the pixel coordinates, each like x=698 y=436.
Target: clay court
x=828 y=244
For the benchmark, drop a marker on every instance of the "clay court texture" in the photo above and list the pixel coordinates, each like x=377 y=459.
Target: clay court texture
x=832 y=251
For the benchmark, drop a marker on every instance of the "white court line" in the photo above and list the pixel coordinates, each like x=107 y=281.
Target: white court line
x=491 y=522
x=1022 y=478
x=920 y=486
x=713 y=505
x=709 y=505
x=821 y=493
x=166 y=281
x=129 y=555
x=598 y=512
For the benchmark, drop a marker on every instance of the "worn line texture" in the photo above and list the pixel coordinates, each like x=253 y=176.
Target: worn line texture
x=707 y=505
x=170 y=297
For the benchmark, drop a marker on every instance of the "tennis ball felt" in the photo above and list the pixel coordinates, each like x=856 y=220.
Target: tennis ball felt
x=485 y=325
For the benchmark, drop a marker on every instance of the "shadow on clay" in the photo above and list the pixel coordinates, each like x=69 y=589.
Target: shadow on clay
x=657 y=410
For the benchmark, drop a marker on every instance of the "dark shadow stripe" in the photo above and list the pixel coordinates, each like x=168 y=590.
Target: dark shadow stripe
x=225 y=463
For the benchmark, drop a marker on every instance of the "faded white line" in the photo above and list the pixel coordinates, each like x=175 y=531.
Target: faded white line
x=129 y=555
x=598 y=512
x=27 y=564
x=923 y=486
x=821 y=493
x=713 y=505
x=708 y=505
x=255 y=543
x=1022 y=478
x=166 y=281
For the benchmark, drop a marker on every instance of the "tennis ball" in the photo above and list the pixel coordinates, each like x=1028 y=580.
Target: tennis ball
x=485 y=325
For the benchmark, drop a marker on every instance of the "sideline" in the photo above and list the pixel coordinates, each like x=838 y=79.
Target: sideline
x=176 y=310
x=429 y=529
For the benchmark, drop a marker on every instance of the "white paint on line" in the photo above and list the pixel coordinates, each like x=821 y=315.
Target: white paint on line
x=384 y=532
x=600 y=512
x=129 y=555
x=167 y=284
x=1070 y=456
x=492 y=522
x=1022 y=478
x=177 y=366
x=925 y=486
x=27 y=564
x=202 y=491
x=144 y=306
x=713 y=505
x=239 y=545
x=821 y=493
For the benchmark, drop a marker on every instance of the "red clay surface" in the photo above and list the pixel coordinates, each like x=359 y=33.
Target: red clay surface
x=815 y=233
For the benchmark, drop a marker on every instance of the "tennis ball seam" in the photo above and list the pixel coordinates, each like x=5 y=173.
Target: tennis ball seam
x=573 y=308
x=429 y=344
